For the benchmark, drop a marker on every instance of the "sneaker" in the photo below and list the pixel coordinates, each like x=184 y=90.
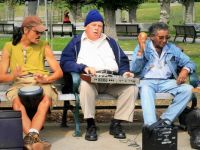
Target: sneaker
x=29 y=139
x=41 y=146
x=116 y=130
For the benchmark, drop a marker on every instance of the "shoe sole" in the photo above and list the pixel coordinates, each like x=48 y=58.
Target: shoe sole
x=111 y=133
x=91 y=139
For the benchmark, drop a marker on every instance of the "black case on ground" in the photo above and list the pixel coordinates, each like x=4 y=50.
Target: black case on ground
x=159 y=138
x=11 y=134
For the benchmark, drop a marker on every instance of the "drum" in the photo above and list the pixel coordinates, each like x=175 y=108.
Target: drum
x=30 y=97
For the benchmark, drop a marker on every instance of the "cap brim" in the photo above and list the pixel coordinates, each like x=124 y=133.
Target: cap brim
x=40 y=28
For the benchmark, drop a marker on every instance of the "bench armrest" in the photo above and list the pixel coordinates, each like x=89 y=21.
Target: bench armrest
x=193 y=79
x=76 y=81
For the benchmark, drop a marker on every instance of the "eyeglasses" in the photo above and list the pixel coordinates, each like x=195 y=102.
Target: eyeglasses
x=164 y=37
x=37 y=32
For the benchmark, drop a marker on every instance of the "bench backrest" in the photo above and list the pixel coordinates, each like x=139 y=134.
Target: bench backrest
x=57 y=27
x=190 y=31
x=180 y=30
x=63 y=28
x=6 y=28
x=127 y=29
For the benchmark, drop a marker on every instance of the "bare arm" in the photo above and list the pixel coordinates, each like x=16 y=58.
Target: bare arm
x=4 y=65
x=57 y=72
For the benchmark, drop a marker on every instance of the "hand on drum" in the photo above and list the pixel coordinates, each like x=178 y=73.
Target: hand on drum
x=40 y=78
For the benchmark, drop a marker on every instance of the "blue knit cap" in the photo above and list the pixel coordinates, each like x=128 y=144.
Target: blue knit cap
x=93 y=16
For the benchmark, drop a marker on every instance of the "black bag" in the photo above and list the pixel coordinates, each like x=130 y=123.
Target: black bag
x=182 y=117
x=11 y=134
x=159 y=136
x=193 y=127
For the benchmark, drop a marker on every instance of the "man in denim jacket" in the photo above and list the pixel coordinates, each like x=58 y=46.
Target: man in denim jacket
x=156 y=61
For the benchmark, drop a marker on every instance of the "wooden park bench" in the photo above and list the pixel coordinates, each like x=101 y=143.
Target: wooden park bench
x=6 y=28
x=71 y=100
x=63 y=29
x=127 y=29
x=186 y=31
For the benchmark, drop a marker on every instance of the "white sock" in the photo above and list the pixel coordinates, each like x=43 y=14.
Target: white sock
x=33 y=130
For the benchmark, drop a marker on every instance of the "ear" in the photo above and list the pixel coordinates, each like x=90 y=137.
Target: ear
x=25 y=30
x=152 y=37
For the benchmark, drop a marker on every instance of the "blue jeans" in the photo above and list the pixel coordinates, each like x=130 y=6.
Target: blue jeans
x=182 y=95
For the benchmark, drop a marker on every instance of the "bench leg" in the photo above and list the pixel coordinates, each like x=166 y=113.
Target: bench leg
x=64 y=117
x=76 y=117
x=184 y=39
x=193 y=40
x=175 y=38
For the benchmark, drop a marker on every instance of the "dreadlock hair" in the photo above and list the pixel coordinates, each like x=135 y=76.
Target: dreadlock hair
x=17 y=35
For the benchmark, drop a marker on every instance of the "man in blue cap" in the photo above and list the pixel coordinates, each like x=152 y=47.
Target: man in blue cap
x=92 y=52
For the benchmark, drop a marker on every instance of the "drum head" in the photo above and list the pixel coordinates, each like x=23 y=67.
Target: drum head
x=30 y=96
x=30 y=90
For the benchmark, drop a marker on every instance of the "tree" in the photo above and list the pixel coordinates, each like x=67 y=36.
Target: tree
x=109 y=8
x=75 y=8
x=132 y=14
x=132 y=11
x=31 y=7
x=189 y=8
x=10 y=9
x=164 y=11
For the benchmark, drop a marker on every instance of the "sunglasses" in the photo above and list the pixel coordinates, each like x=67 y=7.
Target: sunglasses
x=164 y=37
x=37 y=32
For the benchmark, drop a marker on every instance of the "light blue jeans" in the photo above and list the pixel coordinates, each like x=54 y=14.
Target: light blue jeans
x=182 y=95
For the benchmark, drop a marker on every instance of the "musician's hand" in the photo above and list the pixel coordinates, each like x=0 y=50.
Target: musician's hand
x=182 y=76
x=90 y=70
x=128 y=75
x=40 y=78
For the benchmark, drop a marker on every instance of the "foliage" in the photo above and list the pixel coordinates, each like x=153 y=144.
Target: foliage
x=118 y=4
x=60 y=4
x=70 y=3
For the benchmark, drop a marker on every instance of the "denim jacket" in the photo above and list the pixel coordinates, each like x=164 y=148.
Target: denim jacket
x=175 y=59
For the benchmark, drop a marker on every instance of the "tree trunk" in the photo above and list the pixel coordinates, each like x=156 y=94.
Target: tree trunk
x=189 y=8
x=79 y=13
x=75 y=13
x=32 y=8
x=9 y=9
x=110 y=22
x=165 y=11
x=132 y=15
x=118 y=16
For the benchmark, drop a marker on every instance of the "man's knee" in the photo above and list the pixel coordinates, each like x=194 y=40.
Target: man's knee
x=186 y=88
x=134 y=90
x=16 y=104
x=145 y=88
x=85 y=87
